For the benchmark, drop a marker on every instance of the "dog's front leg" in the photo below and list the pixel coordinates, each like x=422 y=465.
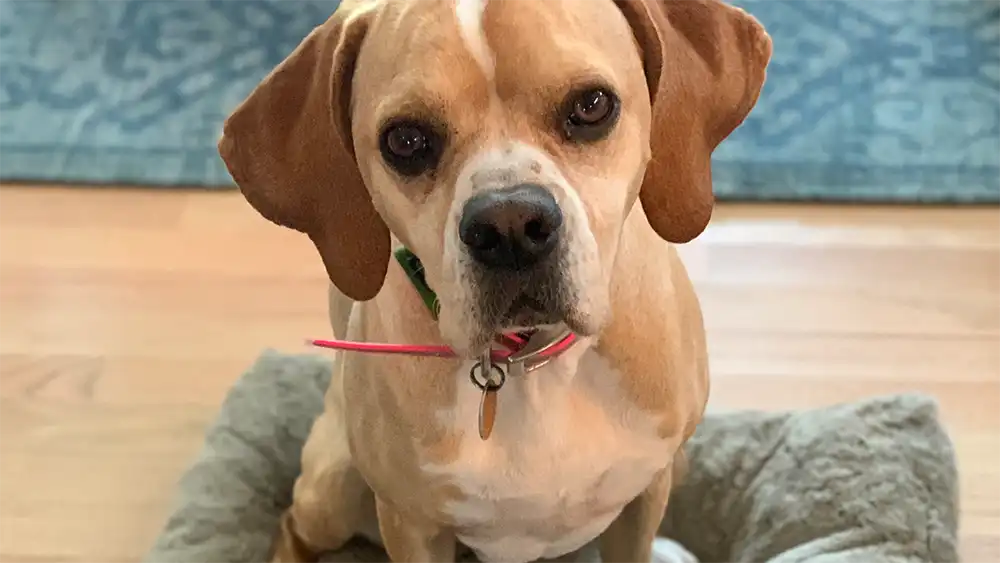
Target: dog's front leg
x=630 y=537
x=411 y=541
x=330 y=500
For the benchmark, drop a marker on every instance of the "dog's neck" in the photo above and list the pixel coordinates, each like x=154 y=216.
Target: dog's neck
x=529 y=349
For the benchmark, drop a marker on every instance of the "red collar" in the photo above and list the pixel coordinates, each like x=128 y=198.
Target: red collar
x=521 y=349
x=515 y=343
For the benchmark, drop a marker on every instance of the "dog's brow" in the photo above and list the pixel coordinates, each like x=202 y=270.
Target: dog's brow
x=470 y=24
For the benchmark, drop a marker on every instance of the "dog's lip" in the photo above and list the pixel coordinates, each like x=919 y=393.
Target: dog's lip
x=534 y=327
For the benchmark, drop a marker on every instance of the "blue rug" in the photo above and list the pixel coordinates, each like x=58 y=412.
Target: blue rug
x=867 y=100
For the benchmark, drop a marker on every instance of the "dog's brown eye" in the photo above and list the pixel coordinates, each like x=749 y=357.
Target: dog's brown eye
x=406 y=141
x=410 y=148
x=590 y=114
x=591 y=107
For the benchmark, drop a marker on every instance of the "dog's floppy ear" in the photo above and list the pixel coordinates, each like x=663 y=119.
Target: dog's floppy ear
x=705 y=64
x=289 y=148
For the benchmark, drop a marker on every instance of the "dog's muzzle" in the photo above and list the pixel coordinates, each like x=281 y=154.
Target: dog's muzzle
x=511 y=229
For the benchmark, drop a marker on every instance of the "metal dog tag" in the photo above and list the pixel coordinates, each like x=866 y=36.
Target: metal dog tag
x=488 y=377
x=487 y=412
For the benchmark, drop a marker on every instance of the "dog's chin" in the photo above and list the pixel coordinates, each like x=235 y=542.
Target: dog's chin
x=527 y=314
x=530 y=321
x=471 y=342
x=546 y=300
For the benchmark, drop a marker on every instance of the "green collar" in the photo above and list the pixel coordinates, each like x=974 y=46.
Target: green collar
x=415 y=271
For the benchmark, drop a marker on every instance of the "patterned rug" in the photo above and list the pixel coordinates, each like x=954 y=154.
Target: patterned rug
x=867 y=100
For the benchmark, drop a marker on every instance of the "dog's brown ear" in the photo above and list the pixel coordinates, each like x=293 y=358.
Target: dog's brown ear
x=289 y=148
x=705 y=63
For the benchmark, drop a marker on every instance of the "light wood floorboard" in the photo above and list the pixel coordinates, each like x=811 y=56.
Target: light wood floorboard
x=126 y=314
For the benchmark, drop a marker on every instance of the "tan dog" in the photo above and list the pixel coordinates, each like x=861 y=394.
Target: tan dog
x=505 y=143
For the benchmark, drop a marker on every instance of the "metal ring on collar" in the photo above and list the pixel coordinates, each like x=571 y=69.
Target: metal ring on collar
x=487 y=383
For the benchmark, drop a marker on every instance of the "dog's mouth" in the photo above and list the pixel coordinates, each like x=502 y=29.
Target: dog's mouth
x=514 y=305
x=539 y=299
x=529 y=311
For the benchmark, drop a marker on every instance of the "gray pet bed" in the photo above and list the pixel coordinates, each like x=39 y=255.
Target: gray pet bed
x=867 y=482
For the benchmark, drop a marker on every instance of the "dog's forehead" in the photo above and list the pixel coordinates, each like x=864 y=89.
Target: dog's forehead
x=480 y=46
x=554 y=34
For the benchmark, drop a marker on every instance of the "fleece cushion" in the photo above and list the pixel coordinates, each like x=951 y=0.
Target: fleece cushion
x=863 y=482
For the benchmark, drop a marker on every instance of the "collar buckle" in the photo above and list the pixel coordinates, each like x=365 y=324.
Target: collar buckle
x=532 y=356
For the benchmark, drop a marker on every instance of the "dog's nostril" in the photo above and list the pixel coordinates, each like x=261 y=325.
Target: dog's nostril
x=482 y=236
x=537 y=230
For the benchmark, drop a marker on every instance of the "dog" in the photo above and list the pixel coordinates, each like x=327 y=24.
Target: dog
x=540 y=161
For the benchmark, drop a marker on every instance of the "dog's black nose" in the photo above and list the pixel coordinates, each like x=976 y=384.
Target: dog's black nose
x=512 y=228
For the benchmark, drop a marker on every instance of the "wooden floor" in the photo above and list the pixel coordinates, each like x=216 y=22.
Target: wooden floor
x=127 y=314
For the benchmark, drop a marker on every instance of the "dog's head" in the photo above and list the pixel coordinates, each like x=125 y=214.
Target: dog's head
x=502 y=141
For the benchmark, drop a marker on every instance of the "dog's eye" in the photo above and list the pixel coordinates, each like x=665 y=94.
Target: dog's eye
x=410 y=148
x=590 y=114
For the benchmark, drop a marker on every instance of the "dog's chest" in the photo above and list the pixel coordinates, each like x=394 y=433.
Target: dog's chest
x=566 y=454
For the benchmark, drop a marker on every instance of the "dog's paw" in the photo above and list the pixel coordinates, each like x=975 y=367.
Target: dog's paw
x=668 y=551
